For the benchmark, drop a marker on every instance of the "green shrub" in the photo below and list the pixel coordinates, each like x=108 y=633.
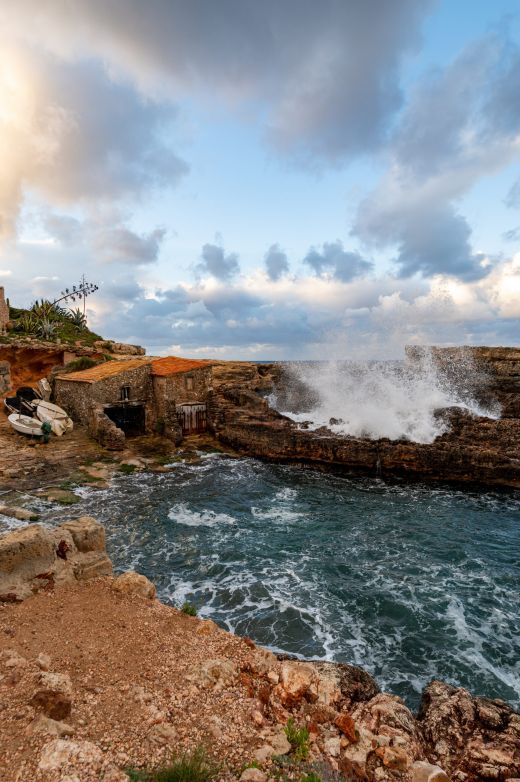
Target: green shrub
x=312 y=777
x=298 y=738
x=189 y=608
x=193 y=767
x=79 y=364
x=127 y=469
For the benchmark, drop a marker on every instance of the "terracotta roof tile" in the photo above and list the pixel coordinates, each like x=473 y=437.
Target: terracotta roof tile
x=105 y=370
x=171 y=365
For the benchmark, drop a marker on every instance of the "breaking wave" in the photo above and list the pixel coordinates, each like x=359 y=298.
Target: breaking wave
x=378 y=399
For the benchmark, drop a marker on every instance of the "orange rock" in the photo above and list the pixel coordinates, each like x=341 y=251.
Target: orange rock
x=347 y=726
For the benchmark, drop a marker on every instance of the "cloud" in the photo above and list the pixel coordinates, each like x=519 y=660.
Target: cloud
x=344 y=265
x=276 y=262
x=73 y=135
x=214 y=261
x=107 y=237
x=513 y=197
x=447 y=139
x=325 y=77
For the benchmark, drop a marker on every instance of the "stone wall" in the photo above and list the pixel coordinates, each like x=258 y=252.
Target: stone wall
x=80 y=398
x=5 y=377
x=4 y=312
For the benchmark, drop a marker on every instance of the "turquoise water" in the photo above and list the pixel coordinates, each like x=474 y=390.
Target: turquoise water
x=409 y=581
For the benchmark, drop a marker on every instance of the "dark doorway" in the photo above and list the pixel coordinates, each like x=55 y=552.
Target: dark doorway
x=128 y=416
x=192 y=418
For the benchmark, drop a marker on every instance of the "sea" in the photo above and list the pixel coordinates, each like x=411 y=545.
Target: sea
x=410 y=581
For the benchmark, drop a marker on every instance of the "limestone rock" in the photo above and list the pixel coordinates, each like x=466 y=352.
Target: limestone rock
x=280 y=743
x=60 y=753
x=22 y=514
x=253 y=775
x=9 y=658
x=87 y=533
x=43 y=724
x=163 y=734
x=53 y=695
x=425 y=772
x=43 y=661
x=216 y=673
x=347 y=726
x=35 y=558
x=478 y=737
x=332 y=746
x=132 y=583
x=295 y=681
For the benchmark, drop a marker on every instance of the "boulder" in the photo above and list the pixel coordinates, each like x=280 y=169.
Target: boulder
x=425 y=772
x=70 y=755
x=22 y=514
x=478 y=737
x=87 y=533
x=131 y=583
x=50 y=727
x=216 y=673
x=253 y=775
x=296 y=680
x=36 y=557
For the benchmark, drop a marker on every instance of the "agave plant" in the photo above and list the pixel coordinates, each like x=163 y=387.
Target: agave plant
x=77 y=318
x=47 y=329
x=48 y=310
x=27 y=323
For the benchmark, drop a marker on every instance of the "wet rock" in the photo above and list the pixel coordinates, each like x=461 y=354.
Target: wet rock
x=22 y=514
x=53 y=695
x=132 y=583
x=477 y=737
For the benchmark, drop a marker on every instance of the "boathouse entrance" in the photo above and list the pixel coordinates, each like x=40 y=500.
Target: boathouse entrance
x=192 y=418
x=128 y=416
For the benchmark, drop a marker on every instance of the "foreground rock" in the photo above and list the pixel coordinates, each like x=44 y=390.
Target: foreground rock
x=35 y=557
x=95 y=678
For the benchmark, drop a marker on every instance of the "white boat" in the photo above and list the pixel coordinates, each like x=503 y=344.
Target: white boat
x=54 y=415
x=25 y=425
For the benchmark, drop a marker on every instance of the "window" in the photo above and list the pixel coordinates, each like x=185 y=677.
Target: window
x=189 y=383
x=125 y=393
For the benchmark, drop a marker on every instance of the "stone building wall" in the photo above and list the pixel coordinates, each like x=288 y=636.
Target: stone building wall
x=4 y=312
x=79 y=398
x=5 y=377
x=178 y=389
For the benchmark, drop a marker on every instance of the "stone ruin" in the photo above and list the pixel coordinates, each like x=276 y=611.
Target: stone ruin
x=4 y=312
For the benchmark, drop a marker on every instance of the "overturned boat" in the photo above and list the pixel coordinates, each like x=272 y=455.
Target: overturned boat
x=24 y=424
x=47 y=412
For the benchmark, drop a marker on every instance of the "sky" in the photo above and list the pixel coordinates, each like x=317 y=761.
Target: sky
x=282 y=179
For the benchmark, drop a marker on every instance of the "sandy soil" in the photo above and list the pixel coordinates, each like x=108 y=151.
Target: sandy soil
x=138 y=693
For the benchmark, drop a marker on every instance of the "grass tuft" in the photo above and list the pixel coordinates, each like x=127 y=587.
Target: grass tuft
x=194 y=767
x=189 y=608
x=298 y=738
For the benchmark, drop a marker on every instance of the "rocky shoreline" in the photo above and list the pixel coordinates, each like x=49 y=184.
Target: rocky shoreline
x=97 y=676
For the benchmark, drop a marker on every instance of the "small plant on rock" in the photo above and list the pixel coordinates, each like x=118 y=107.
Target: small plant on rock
x=127 y=469
x=194 y=767
x=189 y=608
x=298 y=738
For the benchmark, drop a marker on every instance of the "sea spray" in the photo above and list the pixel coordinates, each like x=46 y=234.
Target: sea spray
x=398 y=400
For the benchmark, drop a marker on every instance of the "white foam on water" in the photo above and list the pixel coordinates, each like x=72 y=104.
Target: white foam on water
x=182 y=514
x=380 y=399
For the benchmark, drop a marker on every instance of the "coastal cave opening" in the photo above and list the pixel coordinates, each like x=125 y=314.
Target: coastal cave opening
x=128 y=416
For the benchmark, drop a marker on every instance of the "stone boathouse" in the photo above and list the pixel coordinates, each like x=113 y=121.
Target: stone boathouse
x=132 y=397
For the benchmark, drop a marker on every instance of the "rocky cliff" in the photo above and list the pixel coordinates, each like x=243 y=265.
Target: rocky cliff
x=473 y=449
x=97 y=676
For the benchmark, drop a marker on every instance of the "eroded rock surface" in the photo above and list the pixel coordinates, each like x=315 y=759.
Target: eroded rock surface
x=35 y=557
